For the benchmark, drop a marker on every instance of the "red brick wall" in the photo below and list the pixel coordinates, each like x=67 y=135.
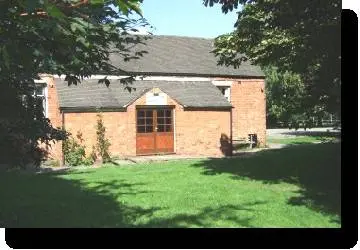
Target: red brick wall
x=249 y=112
x=199 y=132
x=119 y=130
x=53 y=114
x=196 y=132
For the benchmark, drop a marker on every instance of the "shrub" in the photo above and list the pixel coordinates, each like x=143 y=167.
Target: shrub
x=53 y=163
x=24 y=129
x=88 y=161
x=93 y=154
x=74 y=151
x=103 y=143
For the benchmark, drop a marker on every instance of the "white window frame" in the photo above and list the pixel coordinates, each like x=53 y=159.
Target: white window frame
x=45 y=95
x=226 y=93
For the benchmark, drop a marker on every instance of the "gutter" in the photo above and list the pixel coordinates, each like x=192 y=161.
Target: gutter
x=146 y=74
x=91 y=109
x=210 y=108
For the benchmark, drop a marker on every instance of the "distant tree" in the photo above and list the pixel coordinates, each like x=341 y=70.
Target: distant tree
x=285 y=94
x=71 y=37
x=297 y=36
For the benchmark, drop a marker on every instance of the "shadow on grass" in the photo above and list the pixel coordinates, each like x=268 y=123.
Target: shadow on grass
x=45 y=200
x=49 y=200
x=315 y=168
x=206 y=217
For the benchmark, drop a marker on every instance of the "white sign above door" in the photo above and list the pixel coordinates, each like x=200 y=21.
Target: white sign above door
x=156 y=99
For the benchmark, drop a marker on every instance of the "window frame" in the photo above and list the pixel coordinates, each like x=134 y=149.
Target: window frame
x=144 y=118
x=44 y=96
x=155 y=124
x=163 y=120
x=227 y=91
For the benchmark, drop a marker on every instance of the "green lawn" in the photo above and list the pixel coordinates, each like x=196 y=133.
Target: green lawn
x=297 y=186
x=300 y=139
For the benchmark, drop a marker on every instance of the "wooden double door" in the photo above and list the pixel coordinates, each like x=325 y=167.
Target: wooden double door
x=154 y=131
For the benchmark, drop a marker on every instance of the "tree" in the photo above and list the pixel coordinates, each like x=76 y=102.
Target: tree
x=65 y=37
x=285 y=93
x=71 y=37
x=297 y=36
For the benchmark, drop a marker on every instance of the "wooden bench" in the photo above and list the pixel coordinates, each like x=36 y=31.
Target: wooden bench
x=244 y=141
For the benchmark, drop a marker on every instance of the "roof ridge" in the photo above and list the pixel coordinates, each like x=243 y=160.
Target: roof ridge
x=176 y=55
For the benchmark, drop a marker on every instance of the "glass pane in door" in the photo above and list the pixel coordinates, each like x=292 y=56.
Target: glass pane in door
x=164 y=120
x=144 y=121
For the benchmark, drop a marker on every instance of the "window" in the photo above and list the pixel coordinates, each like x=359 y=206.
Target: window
x=40 y=93
x=144 y=121
x=154 y=120
x=164 y=123
x=225 y=90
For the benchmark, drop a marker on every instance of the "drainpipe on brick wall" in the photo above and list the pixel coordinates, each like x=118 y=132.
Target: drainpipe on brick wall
x=63 y=127
x=231 y=133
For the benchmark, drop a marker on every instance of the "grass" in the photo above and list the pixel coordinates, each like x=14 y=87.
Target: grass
x=291 y=187
x=300 y=139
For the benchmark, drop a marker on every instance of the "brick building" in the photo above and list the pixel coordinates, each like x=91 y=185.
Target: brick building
x=183 y=103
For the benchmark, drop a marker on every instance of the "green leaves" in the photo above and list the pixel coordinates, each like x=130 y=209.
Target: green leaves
x=29 y=5
x=102 y=142
x=135 y=6
x=285 y=95
x=53 y=11
x=76 y=26
x=5 y=56
x=83 y=41
x=227 y=5
x=128 y=5
x=104 y=80
x=54 y=37
x=95 y=2
x=74 y=151
x=297 y=36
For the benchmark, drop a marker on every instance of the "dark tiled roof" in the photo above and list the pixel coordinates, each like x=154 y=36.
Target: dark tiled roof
x=183 y=56
x=91 y=94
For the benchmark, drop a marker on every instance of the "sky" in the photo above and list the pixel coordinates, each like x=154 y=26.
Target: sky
x=187 y=18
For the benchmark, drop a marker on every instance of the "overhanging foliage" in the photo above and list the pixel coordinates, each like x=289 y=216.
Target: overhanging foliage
x=71 y=37
x=298 y=36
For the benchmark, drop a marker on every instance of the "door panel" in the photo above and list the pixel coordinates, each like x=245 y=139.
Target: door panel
x=145 y=143
x=164 y=131
x=145 y=135
x=164 y=143
x=154 y=131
